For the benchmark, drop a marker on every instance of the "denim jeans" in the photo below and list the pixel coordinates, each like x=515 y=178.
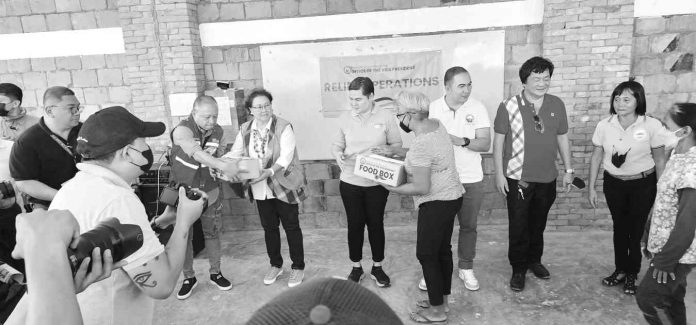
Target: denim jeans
x=211 y=220
x=468 y=218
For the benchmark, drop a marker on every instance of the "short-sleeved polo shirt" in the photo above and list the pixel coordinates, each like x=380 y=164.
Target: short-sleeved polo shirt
x=636 y=141
x=540 y=148
x=463 y=122
x=92 y=196
x=37 y=156
x=359 y=133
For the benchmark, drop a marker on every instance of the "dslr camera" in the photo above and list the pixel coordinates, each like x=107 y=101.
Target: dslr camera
x=6 y=189
x=170 y=194
x=122 y=239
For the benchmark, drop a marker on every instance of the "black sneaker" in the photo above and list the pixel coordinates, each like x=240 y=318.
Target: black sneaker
x=540 y=271
x=220 y=282
x=186 y=288
x=381 y=278
x=517 y=281
x=356 y=274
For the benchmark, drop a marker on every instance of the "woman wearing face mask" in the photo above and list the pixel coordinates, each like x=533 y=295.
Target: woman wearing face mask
x=630 y=148
x=362 y=129
x=669 y=235
x=434 y=184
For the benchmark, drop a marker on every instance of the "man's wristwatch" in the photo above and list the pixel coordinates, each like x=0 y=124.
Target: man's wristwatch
x=570 y=171
x=466 y=141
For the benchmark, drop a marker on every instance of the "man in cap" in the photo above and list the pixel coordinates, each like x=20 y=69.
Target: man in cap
x=112 y=143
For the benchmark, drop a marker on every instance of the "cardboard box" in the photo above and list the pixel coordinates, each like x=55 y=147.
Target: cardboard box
x=380 y=169
x=252 y=165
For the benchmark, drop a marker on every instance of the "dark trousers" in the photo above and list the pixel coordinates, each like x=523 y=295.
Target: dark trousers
x=663 y=303
x=364 y=207
x=433 y=248
x=629 y=203
x=272 y=213
x=528 y=209
x=8 y=235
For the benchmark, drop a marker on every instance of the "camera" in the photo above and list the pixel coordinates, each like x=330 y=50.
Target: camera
x=170 y=194
x=6 y=189
x=122 y=239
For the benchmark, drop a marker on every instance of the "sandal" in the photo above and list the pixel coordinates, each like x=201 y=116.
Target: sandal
x=426 y=304
x=630 y=285
x=417 y=317
x=614 y=279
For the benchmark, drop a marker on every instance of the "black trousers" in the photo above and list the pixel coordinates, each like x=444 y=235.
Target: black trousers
x=433 y=246
x=364 y=207
x=8 y=235
x=273 y=212
x=629 y=203
x=528 y=210
x=663 y=303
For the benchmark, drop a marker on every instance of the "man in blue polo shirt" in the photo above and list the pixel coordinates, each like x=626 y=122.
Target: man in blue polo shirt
x=530 y=128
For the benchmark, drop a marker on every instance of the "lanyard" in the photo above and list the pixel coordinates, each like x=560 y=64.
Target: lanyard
x=60 y=143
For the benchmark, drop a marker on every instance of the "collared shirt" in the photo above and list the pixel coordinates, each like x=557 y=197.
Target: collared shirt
x=680 y=173
x=636 y=141
x=12 y=127
x=260 y=190
x=540 y=148
x=360 y=132
x=92 y=196
x=463 y=122
x=434 y=150
x=37 y=156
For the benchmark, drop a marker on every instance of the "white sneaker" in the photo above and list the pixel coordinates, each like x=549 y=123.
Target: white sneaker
x=296 y=277
x=272 y=275
x=470 y=281
x=421 y=285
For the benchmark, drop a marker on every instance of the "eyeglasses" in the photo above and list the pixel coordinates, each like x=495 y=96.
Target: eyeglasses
x=263 y=107
x=72 y=109
x=538 y=124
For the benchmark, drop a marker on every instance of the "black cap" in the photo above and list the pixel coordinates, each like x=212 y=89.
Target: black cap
x=326 y=301
x=111 y=129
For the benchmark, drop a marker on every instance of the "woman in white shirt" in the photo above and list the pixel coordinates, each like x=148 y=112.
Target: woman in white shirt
x=280 y=187
x=630 y=148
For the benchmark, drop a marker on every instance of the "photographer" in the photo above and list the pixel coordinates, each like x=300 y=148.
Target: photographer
x=112 y=143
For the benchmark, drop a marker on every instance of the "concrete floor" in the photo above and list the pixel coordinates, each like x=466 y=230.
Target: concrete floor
x=574 y=295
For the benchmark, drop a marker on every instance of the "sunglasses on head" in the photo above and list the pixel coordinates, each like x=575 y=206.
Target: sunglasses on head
x=538 y=124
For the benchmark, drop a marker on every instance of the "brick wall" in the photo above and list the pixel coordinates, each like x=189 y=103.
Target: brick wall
x=663 y=60
x=98 y=80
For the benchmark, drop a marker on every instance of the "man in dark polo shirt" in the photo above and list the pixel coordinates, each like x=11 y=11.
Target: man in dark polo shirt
x=530 y=128
x=44 y=156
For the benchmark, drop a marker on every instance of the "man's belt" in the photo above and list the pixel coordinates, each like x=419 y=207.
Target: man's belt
x=634 y=176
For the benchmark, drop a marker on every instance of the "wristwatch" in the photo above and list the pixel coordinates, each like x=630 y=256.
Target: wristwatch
x=570 y=171
x=466 y=141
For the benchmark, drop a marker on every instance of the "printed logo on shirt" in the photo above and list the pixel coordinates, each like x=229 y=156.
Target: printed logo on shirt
x=553 y=114
x=470 y=118
x=640 y=134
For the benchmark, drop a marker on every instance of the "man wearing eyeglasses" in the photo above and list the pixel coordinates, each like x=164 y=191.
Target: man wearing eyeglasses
x=44 y=156
x=196 y=146
x=530 y=129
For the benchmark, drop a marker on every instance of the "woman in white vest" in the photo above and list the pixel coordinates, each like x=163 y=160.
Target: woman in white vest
x=280 y=187
x=668 y=241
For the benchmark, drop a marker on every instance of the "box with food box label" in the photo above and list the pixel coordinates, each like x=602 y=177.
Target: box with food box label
x=380 y=169
x=251 y=166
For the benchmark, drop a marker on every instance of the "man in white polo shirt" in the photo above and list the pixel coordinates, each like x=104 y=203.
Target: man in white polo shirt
x=112 y=144
x=467 y=122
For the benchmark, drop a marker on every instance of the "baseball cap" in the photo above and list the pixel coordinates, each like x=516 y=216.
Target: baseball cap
x=111 y=129
x=326 y=301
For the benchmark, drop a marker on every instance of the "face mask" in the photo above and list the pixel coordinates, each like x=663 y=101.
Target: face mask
x=150 y=159
x=672 y=139
x=619 y=159
x=404 y=126
x=3 y=112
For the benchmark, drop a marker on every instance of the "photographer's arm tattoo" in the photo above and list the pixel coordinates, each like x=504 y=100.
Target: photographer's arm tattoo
x=142 y=278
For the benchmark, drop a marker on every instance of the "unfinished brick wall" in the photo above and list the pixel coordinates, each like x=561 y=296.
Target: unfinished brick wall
x=97 y=80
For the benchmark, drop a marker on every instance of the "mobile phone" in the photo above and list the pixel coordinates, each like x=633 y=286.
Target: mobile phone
x=578 y=183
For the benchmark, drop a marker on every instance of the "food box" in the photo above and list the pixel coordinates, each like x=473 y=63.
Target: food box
x=252 y=166
x=380 y=169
